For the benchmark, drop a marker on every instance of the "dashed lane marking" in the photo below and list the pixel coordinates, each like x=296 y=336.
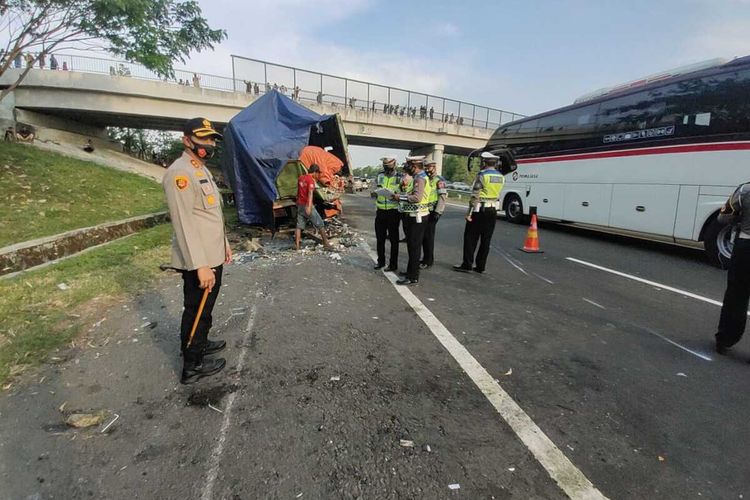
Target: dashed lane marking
x=593 y=303
x=567 y=476
x=649 y=282
x=694 y=353
x=218 y=451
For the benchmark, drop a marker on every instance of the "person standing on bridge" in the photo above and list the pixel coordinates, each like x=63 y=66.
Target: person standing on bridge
x=416 y=208
x=482 y=214
x=737 y=295
x=387 y=216
x=438 y=195
x=199 y=246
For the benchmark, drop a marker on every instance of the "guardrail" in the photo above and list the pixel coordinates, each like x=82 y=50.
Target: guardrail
x=256 y=76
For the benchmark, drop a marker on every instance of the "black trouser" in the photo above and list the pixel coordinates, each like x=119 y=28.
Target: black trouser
x=428 y=245
x=192 y=298
x=734 y=310
x=402 y=218
x=480 y=230
x=386 y=228
x=414 y=237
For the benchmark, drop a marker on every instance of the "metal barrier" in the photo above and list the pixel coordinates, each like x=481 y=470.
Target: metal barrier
x=256 y=76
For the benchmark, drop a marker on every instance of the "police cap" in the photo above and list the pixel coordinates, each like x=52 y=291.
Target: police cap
x=200 y=128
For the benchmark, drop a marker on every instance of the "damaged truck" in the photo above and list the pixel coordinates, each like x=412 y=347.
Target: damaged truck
x=268 y=145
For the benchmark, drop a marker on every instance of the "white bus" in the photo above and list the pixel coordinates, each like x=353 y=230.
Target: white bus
x=653 y=158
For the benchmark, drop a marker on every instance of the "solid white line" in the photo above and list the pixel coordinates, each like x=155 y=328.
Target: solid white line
x=567 y=476
x=594 y=303
x=215 y=460
x=648 y=282
x=694 y=353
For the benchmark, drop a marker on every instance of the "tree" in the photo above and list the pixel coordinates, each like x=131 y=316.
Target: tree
x=155 y=33
x=454 y=169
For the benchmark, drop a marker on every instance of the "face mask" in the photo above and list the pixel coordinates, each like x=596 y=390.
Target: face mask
x=203 y=151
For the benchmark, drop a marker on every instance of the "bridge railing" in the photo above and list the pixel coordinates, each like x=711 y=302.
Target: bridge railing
x=256 y=76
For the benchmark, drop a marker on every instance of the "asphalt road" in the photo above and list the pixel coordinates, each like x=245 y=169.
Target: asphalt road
x=337 y=386
x=620 y=374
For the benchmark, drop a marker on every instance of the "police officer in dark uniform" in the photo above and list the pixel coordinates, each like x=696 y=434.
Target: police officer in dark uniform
x=199 y=245
x=387 y=216
x=438 y=197
x=737 y=295
x=482 y=214
x=416 y=209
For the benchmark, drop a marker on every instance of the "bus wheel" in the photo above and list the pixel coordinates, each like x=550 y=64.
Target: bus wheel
x=718 y=242
x=514 y=209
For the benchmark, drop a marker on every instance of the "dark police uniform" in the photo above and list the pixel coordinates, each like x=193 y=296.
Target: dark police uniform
x=416 y=208
x=387 y=217
x=438 y=195
x=737 y=295
x=483 y=207
x=199 y=241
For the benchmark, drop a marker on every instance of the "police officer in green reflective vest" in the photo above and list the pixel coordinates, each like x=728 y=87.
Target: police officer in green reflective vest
x=387 y=216
x=438 y=195
x=482 y=214
x=415 y=206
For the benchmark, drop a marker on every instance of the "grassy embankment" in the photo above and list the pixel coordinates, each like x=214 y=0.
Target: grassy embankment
x=46 y=193
x=36 y=316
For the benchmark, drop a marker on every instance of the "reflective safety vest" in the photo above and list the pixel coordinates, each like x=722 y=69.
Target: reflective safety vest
x=492 y=184
x=423 y=206
x=406 y=187
x=391 y=182
x=436 y=190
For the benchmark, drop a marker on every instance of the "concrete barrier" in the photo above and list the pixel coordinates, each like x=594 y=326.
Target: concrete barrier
x=29 y=254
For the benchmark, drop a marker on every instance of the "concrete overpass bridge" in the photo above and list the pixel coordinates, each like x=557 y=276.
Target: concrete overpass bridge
x=63 y=105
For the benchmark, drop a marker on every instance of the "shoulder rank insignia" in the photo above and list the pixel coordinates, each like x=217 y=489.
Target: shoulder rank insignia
x=195 y=163
x=181 y=181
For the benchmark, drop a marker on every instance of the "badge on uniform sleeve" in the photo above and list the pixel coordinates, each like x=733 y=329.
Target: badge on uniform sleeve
x=210 y=199
x=181 y=182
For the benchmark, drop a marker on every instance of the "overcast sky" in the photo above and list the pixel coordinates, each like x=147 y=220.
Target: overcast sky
x=525 y=56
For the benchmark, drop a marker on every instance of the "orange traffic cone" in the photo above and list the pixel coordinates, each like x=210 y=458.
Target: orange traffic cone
x=532 y=238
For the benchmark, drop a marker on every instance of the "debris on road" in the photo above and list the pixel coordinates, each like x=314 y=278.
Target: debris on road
x=662 y=459
x=81 y=420
x=454 y=486
x=509 y=372
x=335 y=378
x=106 y=427
x=407 y=443
x=680 y=374
x=214 y=408
x=511 y=469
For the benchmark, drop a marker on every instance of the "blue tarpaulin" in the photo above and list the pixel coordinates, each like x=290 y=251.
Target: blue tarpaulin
x=259 y=140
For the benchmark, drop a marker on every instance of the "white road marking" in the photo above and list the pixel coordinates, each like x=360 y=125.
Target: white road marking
x=510 y=261
x=694 y=353
x=649 y=282
x=594 y=303
x=215 y=460
x=567 y=476
x=544 y=279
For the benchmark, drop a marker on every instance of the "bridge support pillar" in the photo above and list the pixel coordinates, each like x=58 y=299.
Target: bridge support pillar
x=434 y=153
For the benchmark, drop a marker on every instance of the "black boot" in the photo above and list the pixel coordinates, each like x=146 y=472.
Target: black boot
x=461 y=269
x=214 y=346
x=192 y=371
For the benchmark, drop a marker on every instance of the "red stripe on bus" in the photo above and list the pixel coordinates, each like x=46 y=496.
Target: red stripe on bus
x=687 y=148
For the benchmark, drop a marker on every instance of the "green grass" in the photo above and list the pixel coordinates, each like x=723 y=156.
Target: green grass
x=47 y=193
x=36 y=316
